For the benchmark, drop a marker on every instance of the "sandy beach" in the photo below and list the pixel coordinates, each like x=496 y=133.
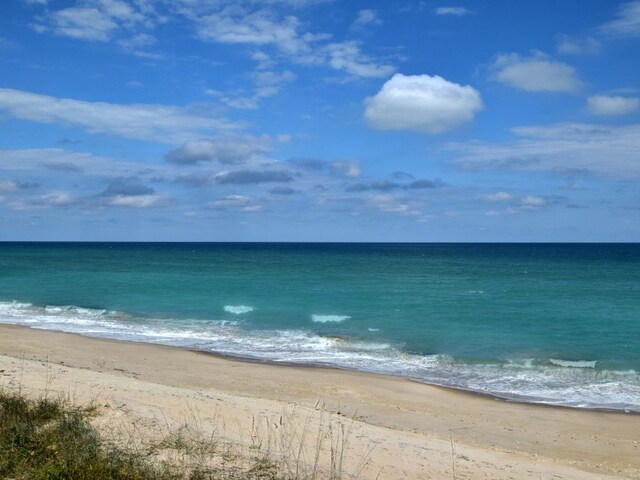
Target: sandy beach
x=388 y=427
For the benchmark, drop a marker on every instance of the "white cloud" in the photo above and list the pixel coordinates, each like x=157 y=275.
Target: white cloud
x=267 y=84
x=423 y=103
x=627 y=23
x=456 y=11
x=53 y=199
x=605 y=105
x=83 y=23
x=265 y=27
x=568 y=147
x=139 y=201
x=261 y=27
x=533 y=201
x=252 y=177
x=514 y=205
x=577 y=46
x=536 y=73
x=231 y=201
x=497 y=197
x=345 y=168
x=240 y=203
x=365 y=18
x=159 y=123
x=137 y=42
x=94 y=21
x=233 y=150
x=346 y=56
x=8 y=186
x=35 y=159
x=391 y=204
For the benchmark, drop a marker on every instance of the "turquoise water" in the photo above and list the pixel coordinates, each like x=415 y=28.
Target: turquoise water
x=549 y=323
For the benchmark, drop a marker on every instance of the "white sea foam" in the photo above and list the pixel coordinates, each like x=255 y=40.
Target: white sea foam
x=531 y=380
x=238 y=309
x=573 y=363
x=373 y=329
x=329 y=318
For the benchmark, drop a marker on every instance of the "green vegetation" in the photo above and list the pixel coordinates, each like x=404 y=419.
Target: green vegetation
x=47 y=439
x=50 y=439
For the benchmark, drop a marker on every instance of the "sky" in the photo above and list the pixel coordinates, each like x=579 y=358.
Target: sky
x=320 y=120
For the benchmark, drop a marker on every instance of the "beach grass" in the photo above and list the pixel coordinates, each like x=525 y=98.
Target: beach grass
x=50 y=438
x=47 y=438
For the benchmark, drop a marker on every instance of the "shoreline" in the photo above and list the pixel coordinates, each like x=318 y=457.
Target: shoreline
x=396 y=411
x=257 y=360
x=459 y=390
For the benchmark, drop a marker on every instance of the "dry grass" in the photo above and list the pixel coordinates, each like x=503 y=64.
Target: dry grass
x=49 y=438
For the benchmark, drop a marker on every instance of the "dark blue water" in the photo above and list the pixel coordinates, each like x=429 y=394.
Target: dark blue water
x=553 y=323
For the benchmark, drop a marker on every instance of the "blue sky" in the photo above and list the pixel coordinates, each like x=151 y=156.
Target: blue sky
x=319 y=120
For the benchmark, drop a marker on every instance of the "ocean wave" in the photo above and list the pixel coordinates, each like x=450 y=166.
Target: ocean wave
x=238 y=309
x=573 y=363
x=329 y=318
x=529 y=380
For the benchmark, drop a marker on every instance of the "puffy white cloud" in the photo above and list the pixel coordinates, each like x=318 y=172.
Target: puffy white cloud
x=160 y=123
x=536 y=73
x=627 y=23
x=456 y=11
x=605 y=105
x=424 y=103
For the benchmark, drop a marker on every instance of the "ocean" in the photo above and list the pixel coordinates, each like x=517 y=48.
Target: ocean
x=542 y=323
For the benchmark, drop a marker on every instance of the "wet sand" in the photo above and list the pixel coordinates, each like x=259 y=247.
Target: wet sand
x=400 y=428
